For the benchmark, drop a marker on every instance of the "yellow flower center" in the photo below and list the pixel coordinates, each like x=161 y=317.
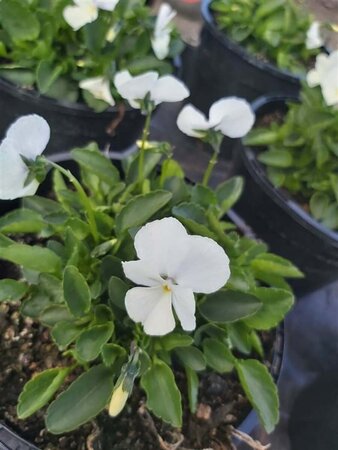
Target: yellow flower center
x=166 y=288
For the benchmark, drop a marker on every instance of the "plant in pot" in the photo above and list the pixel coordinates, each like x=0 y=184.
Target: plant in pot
x=146 y=286
x=290 y=162
x=250 y=48
x=59 y=58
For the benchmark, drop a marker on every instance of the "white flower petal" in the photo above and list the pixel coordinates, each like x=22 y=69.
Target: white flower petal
x=330 y=87
x=107 y=5
x=142 y=272
x=30 y=135
x=165 y=15
x=313 y=78
x=99 y=87
x=121 y=78
x=233 y=116
x=169 y=89
x=136 y=88
x=13 y=173
x=163 y=243
x=160 y=45
x=314 y=38
x=190 y=120
x=205 y=268
x=80 y=15
x=185 y=306
x=152 y=307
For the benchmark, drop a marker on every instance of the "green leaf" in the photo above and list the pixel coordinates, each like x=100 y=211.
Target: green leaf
x=92 y=160
x=19 y=22
x=91 y=341
x=85 y=398
x=276 y=265
x=65 y=332
x=218 y=356
x=276 y=158
x=261 y=136
x=140 y=209
x=76 y=291
x=151 y=160
x=111 y=352
x=53 y=314
x=276 y=303
x=319 y=204
x=21 y=221
x=46 y=75
x=12 y=290
x=40 y=390
x=228 y=306
x=203 y=196
x=163 y=395
x=260 y=390
x=229 y=192
x=192 y=382
x=171 y=168
x=33 y=258
x=117 y=292
x=191 y=211
x=174 y=340
x=191 y=357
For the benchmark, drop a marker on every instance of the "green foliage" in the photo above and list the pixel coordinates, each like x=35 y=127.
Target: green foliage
x=75 y=285
x=302 y=155
x=39 y=49
x=274 y=30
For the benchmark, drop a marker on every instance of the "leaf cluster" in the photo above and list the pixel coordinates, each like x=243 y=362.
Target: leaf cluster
x=75 y=285
x=302 y=154
x=39 y=50
x=272 y=30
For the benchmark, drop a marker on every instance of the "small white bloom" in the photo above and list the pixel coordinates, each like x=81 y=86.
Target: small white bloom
x=159 y=89
x=325 y=75
x=232 y=116
x=161 y=37
x=173 y=265
x=314 y=38
x=99 y=87
x=28 y=136
x=86 y=11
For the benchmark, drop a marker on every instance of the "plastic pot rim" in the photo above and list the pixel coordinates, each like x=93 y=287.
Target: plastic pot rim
x=284 y=201
x=222 y=38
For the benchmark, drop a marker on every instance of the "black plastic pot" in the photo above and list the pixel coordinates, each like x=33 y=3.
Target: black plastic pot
x=72 y=124
x=283 y=224
x=224 y=68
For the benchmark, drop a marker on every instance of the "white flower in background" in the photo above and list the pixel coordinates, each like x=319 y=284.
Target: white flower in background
x=99 y=87
x=325 y=75
x=232 y=116
x=159 y=89
x=161 y=38
x=314 y=38
x=173 y=265
x=86 y=11
x=28 y=136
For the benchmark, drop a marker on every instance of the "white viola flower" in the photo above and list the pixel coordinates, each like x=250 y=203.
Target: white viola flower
x=325 y=75
x=28 y=136
x=232 y=116
x=161 y=38
x=99 y=87
x=159 y=89
x=314 y=38
x=172 y=266
x=86 y=11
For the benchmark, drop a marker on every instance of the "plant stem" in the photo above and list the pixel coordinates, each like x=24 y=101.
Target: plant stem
x=215 y=141
x=145 y=135
x=83 y=196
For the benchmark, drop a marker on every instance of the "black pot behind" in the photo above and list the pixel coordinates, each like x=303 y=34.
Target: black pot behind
x=72 y=124
x=224 y=68
x=283 y=224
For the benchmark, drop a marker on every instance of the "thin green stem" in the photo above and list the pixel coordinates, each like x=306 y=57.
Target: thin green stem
x=223 y=239
x=145 y=136
x=83 y=196
x=215 y=140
